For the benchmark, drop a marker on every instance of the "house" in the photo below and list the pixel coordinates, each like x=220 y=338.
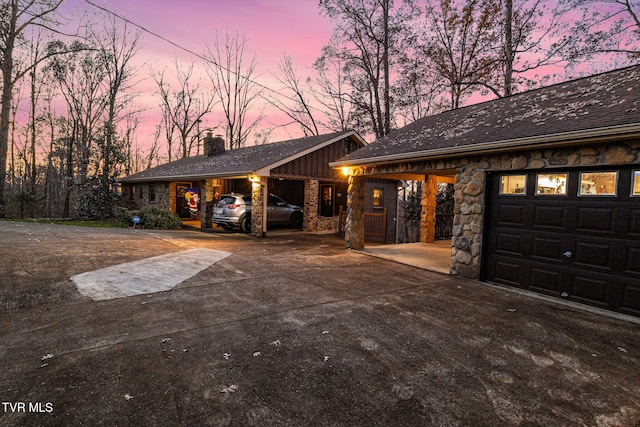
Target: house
x=296 y=170
x=547 y=187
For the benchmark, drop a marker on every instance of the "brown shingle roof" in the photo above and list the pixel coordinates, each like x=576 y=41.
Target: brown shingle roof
x=237 y=162
x=604 y=101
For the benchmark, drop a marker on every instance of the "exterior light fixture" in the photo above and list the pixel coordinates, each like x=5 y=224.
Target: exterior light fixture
x=255 y=179
x=345 y=171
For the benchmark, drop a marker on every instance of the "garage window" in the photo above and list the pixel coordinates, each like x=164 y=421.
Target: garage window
x=551 y=184
x=635 y=186
x=513 y=184
x=598 y=183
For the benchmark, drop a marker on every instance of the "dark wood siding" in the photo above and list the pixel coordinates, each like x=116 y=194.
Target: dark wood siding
x=316 y=164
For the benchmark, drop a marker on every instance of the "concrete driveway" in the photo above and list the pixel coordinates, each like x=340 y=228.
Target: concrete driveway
x=293 y=330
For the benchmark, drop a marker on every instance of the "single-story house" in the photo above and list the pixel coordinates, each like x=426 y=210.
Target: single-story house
x=547 y=187
x=297 y=170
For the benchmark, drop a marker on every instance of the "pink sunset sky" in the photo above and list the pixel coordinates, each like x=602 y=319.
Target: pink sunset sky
x=272 y=28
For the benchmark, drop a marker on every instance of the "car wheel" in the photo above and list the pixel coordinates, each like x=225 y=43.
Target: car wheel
x=296 y=220
x=245 y=224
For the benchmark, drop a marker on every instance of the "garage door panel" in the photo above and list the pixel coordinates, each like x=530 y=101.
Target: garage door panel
x=510 y=243
x=550 y=217
x=511 y=215
x=547 y=248
x=631 y=298
x=593 y=255
x=590 y=289
x=545 y=280
x=595 y=219
x=632 y=265
x=507 y=272
x=634 y=222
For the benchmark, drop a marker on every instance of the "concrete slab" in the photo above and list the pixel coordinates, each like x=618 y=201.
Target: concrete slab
x=156 y=274
x=428 y=256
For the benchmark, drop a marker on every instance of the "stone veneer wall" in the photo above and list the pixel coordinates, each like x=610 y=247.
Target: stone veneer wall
x=314 y=222
x=470 y=197
x=163 y=196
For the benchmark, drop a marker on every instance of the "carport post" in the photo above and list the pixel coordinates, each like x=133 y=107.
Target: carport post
x=354 y=229
x=259 y=202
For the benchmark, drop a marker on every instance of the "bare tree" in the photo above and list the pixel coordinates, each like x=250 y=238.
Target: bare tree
x=118 y=47
x=297 y=98
x=233 y=81
x=16 y=16
x=81 y=77
x=365 y=33
x=333 y=92
x=604 y=28
x=460 y=41
x=531 y=39
x=184 y=107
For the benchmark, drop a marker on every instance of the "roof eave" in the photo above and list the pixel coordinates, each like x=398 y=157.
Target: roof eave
x=604 y=134
x=229 y=175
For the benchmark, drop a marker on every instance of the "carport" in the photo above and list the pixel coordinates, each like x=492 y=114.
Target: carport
x=297 y=167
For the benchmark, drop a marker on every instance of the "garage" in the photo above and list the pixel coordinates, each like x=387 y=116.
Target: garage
x=546 y=188
x=567 y=233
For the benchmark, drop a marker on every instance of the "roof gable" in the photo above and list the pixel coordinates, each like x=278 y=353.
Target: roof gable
x=609 y=102
x=239 y=162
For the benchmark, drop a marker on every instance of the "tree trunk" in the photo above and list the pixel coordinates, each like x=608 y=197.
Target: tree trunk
x=508 y=48
x=5 y=107
x=385 y=63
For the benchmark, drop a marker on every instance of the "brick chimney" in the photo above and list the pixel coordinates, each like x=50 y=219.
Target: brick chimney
x=213 y=144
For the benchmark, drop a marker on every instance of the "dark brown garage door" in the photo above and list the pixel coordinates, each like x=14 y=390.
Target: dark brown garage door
x=572 y=234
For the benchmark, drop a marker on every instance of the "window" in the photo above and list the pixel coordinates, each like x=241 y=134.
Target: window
x=551 y=184
x=635 y=185
x=513 y=184
x=152 y=192
x=378 y=198
x=598 y=183
x=327 y=199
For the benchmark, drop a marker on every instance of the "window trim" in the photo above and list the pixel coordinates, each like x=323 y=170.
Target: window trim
x=523 y=193
x=597 y=194
x=633 y=182
x=537 y=186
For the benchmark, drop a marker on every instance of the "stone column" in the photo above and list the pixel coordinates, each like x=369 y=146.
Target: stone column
x=205 y=204
x=469 y=200
x=354 y=229
x=258 y=195
x=311 y=194
x=428 y=214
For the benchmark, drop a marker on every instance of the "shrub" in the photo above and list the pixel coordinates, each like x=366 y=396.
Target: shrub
x=152 y=218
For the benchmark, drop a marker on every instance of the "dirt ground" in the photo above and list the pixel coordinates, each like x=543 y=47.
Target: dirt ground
x=293 y=330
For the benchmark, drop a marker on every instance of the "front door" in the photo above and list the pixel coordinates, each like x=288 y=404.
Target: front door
x=181 y=203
